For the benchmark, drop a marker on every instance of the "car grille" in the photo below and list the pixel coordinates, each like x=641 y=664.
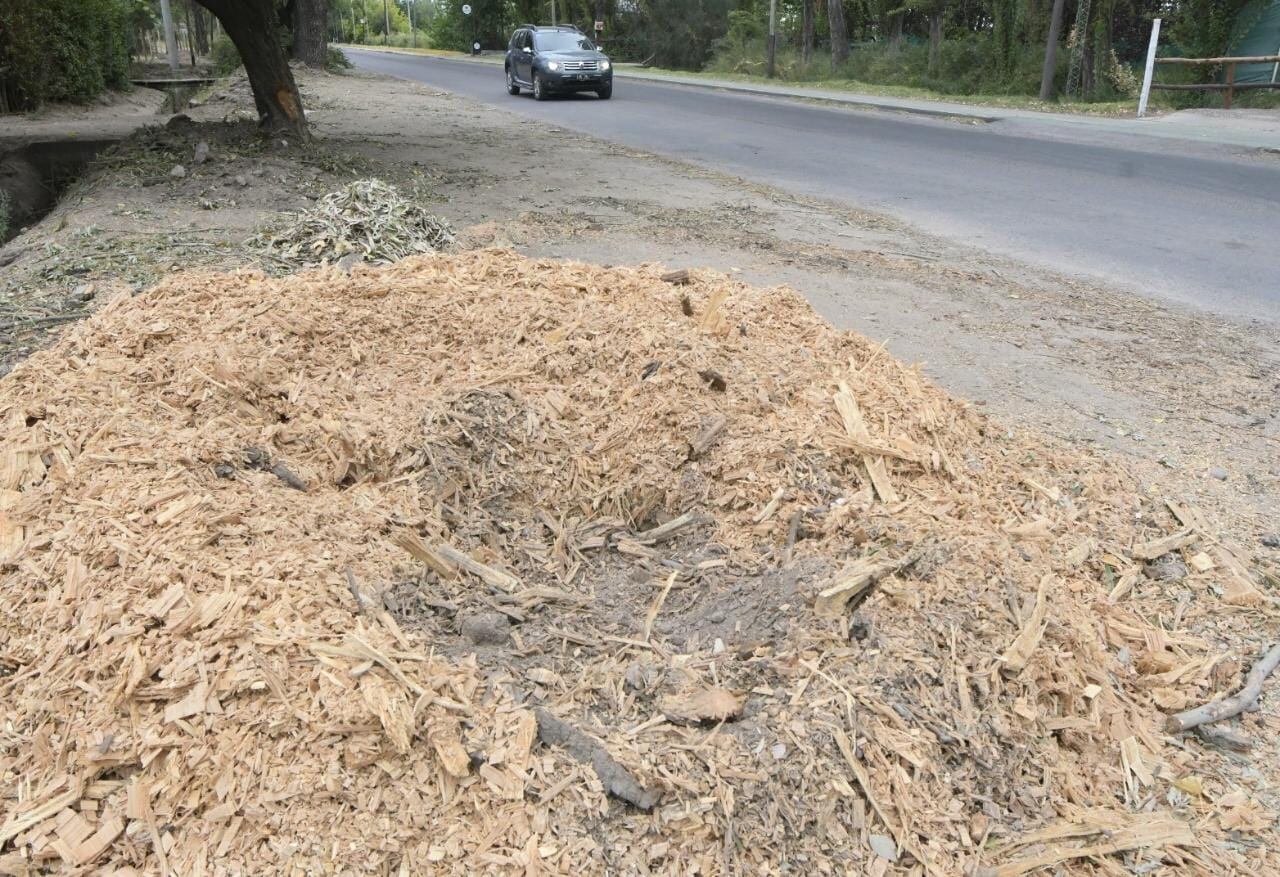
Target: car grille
x=582 y=66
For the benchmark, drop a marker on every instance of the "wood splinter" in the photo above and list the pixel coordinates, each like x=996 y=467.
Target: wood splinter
x=707 y=437
x=859 y=581
x=679 y=277
x=1228 y=706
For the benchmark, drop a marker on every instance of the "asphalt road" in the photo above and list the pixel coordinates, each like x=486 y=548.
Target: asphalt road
x=1166 y=221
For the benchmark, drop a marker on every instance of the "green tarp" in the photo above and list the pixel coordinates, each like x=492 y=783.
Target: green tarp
x=1258 y=29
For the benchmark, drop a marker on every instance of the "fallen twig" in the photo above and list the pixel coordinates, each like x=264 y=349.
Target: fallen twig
x=671 y=528
x=707 y=437
x=617 y=780
x=354 y=588
x=1228 y=706
x=1223 y=737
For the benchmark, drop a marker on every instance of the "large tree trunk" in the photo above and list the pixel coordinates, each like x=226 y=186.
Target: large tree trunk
x=806 y=35
x=1051 y=51
x=936 y=20
x=311 y=32
x=252 y=26
x=839 y=35
x=895 y=31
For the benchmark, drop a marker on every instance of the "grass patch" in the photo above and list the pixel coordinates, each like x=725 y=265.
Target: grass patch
x=407 y=50
x=1125 y=107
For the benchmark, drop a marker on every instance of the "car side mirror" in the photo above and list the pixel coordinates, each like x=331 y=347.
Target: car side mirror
x=527 y=50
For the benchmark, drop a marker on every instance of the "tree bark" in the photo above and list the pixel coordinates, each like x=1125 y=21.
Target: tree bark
x=895 y=30
x=839 y=34
x=191 y=31
x=251 y=25
x=936 y=22
x=807 y=29
x=1051 y=51
x=311 y=32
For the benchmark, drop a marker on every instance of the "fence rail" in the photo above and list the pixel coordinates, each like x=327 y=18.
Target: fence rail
x=1228 y=88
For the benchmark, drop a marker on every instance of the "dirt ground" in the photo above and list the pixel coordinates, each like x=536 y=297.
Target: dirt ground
x=1188 y=399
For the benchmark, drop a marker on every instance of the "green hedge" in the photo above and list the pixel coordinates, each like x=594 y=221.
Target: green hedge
x=61 y=50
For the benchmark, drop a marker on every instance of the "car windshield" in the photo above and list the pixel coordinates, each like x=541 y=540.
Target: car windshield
x=561 y=41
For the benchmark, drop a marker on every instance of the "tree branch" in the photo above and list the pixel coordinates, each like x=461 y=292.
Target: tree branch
x=1229 y=706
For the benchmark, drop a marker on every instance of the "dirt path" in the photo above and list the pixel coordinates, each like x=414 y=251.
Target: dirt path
x=1183 y=397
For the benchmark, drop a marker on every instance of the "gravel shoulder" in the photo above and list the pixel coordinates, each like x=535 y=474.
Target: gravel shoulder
x=1183 y=398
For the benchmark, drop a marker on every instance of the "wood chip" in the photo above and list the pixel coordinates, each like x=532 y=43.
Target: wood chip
x=1015 y=657
x=702 y=706
x=856 y=429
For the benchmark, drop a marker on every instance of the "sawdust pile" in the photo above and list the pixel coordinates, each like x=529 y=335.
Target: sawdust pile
x=476 y=564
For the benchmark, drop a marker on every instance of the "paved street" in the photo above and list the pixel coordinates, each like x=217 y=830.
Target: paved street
x=1174 y=222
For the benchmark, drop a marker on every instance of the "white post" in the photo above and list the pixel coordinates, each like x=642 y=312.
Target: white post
x=170 y=41
x=1151 y=66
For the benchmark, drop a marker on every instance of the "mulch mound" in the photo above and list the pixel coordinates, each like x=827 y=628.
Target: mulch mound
x=478 y=564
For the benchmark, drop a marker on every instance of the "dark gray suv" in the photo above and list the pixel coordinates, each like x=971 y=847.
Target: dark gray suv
x=547 y=60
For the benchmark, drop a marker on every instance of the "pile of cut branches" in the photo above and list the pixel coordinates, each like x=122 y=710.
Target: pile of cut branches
x=366 y=218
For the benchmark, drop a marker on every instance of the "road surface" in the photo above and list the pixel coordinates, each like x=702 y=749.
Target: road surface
x=1168 y=222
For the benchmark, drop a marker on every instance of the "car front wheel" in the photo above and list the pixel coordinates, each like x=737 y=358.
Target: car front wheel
x=512 y=88
x=539 y=89
x=606 y=92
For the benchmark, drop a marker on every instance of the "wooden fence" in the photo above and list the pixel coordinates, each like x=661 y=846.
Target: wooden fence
x=1228 y=88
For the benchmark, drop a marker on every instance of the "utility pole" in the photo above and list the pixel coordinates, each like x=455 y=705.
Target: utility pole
x=170 y=41
x=386 y=24
x=773 y=36
x=1051 y=51
x=413 y=36
x=553 y=13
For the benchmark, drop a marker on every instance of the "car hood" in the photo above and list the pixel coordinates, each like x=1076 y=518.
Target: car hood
x=576 y=55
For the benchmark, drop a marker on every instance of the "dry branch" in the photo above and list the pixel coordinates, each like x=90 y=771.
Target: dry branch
x=617 y=780
x=1229 y=706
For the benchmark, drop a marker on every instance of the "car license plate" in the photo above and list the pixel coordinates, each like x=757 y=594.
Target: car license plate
x=582 y=76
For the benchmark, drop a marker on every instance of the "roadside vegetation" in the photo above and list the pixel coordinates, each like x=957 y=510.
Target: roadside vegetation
x=990 y=51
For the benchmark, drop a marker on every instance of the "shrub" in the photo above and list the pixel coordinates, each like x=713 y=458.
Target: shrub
x=62 y=50
x=336 y=60
x=224 y=54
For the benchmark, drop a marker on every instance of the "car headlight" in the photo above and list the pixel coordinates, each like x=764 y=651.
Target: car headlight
x=604 y=65
x=553 y=66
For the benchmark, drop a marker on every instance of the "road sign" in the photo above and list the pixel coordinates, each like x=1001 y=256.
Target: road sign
x=599 y=26
x=475 y=47
x=466 y=8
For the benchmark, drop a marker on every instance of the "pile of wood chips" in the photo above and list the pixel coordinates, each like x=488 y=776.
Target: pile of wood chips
x=478 y=564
